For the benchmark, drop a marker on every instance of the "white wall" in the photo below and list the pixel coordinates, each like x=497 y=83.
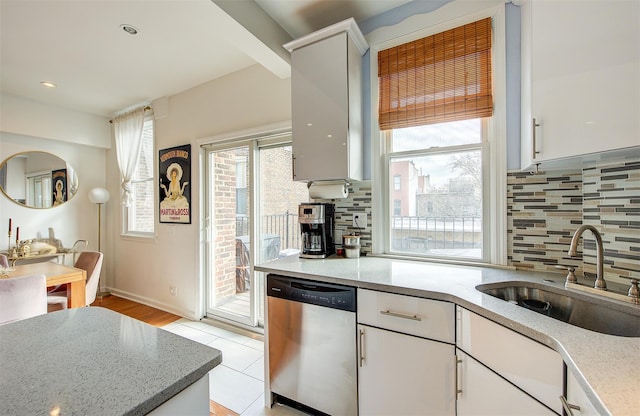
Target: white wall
x=143 y=269
x=30 y=118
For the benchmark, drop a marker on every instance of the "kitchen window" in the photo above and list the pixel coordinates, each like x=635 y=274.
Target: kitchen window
x=140 y=215
x=440 y=105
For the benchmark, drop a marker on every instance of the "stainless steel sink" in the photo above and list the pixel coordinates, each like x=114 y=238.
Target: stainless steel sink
x=612 y=318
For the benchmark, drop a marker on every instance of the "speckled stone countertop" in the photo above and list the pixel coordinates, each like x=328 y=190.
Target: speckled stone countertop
x=93 y=361
x=606 y=366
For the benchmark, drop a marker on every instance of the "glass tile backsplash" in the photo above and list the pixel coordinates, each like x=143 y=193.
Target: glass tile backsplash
x=544 y=210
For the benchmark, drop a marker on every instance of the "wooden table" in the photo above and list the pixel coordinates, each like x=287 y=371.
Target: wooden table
x=58 y=274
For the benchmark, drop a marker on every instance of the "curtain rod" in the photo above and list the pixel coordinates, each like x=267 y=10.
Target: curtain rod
x=146 y=108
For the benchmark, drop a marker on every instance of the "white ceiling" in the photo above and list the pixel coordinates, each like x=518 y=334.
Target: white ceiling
x=100 y=69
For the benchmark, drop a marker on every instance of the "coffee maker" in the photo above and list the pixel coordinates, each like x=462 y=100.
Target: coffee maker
x=316 y=228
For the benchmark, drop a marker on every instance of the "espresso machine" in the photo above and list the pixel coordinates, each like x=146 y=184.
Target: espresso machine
x=316 y=228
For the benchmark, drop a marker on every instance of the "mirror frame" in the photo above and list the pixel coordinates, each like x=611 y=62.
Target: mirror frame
x=63 y=184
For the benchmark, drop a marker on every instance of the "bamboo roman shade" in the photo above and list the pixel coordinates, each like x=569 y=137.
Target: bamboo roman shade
x=440 y=78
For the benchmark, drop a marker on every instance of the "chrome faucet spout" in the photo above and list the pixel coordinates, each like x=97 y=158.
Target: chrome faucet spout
x=573 y=248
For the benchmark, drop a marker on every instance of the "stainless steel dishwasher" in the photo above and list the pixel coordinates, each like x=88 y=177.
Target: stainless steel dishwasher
x=312 y=344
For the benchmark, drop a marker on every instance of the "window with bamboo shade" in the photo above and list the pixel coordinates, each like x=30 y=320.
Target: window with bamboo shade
x=440 y=78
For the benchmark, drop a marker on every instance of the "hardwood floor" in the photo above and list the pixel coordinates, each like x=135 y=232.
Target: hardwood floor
x=135 y=310
x=216 y=409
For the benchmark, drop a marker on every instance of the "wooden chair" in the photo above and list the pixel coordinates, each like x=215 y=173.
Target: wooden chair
x=22 y=297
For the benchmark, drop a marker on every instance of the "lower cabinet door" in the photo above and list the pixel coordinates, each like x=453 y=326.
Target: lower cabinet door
x=483 y=392
x=577 y=400
x=405 y=375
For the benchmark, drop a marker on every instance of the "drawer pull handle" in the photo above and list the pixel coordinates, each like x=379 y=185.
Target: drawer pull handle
x=401 y=315
x=568 y=407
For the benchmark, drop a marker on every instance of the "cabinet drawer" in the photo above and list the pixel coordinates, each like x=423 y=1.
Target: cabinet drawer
x=528 y=364
x=426 y=318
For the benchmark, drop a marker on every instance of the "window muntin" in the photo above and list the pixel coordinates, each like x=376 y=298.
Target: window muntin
x=140 y=216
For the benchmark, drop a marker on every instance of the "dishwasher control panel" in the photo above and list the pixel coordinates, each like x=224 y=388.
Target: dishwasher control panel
x=309 y=291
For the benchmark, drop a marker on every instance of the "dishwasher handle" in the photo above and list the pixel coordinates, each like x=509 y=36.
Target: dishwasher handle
x=310 y=287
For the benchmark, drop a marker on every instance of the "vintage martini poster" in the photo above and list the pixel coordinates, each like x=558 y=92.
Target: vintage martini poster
x=175 y=186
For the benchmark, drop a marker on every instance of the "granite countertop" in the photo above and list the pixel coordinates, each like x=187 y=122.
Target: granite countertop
x=606 y=366
x=93 y=361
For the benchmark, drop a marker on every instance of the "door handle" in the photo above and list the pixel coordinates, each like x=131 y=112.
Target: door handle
x=293 y=166
x=458 y=367
x=568 y=407
x=361 y=352
x=533 y=138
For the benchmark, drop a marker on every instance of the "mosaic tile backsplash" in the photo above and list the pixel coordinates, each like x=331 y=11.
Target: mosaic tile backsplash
x=544 y=210
x=358 y=201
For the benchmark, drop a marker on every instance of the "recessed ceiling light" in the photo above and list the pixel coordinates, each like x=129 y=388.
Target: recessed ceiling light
x=48 y=84
x=129 y=29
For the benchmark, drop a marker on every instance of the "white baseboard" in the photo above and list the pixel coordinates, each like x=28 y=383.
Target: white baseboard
x=155 y=304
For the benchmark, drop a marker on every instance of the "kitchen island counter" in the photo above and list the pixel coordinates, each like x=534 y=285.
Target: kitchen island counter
x=604 y=365
x=93 y=361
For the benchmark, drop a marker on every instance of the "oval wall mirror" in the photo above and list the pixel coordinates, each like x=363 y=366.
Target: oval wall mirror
x=37 y=180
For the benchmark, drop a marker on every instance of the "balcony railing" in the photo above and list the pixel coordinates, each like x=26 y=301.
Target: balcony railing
x=417 y=234
x=285 y=225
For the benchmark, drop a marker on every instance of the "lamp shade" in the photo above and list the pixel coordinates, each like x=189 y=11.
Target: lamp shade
x=99 y=195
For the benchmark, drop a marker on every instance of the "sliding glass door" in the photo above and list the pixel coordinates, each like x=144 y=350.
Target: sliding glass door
x=251 y=218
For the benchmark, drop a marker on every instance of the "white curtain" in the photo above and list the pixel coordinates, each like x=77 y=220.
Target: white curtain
x=128 y=133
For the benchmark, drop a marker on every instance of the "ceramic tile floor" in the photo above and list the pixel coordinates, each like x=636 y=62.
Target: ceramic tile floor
x=237 y=383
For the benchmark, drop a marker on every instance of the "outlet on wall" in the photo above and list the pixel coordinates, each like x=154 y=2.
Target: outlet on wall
x=359 y=220
x=173 y=291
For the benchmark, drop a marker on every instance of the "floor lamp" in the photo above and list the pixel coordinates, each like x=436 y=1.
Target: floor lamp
x=99 y=196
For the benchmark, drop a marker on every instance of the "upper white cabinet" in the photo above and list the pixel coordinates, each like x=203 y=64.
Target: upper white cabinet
x=326 y=73
x=580 y=78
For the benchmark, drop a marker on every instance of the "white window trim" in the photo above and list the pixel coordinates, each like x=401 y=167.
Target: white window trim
x=495 y=204
x=151 y=235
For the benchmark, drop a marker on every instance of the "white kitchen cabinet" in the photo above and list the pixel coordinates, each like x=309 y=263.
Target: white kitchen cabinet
x=194 y=400
x=400 y=373
x=580 y=78
x=326 y=73
x=577 y=400
x=480 y=391
x=425 y=318
x=525 y=363
x=404 y=375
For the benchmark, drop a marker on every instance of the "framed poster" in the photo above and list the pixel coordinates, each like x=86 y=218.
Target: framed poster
x=175 y=188
x=58 y=186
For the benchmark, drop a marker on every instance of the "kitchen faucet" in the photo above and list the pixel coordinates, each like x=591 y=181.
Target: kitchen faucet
x=600 y=283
